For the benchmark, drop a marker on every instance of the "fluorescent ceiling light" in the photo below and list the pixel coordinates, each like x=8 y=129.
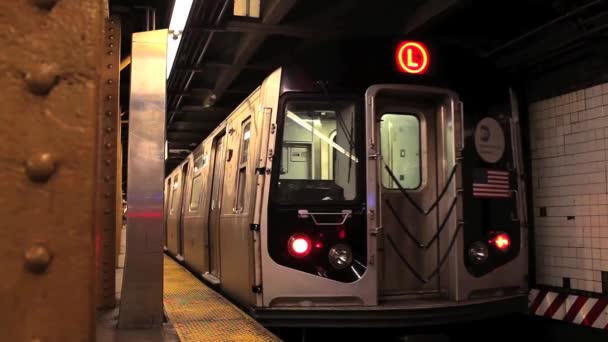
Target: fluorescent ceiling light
x=181 y=11
x=247 y=8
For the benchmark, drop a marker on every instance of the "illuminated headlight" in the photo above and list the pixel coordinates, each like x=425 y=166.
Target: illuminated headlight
x=340 y=256
x=478 y=252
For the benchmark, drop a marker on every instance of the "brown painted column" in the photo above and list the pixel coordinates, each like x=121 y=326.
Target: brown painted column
x=48 y=124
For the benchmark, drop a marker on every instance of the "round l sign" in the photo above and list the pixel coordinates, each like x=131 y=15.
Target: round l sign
x=412 y=57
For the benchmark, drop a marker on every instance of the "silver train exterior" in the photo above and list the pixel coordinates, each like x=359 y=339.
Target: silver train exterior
x=361 y=210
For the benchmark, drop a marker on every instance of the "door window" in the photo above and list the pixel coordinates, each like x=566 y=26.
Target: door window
x=400 y=146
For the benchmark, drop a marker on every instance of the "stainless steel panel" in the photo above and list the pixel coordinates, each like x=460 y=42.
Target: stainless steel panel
x=142 y=293
x=236 y=256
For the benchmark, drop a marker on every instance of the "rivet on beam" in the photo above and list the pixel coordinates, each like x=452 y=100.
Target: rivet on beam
x=37 y=258
x=40 y=167
x=42 y=79
x=44 y=4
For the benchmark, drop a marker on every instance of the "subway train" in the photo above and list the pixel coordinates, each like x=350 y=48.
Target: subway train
x=362 y=184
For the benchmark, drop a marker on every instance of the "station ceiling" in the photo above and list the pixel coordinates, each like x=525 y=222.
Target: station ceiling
x=222 y=58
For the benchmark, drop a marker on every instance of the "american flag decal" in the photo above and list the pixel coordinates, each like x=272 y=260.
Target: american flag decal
x=491 y=183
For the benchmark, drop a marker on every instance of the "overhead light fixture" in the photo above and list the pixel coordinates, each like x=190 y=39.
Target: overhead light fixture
x=179 y=17
x=247 y=8
x=210 y=100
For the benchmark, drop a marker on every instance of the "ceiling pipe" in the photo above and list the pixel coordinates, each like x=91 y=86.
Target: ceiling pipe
x=542 y=27
x=200 y=57
x=150 y=16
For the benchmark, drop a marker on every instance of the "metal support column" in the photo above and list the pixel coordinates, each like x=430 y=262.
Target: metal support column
x=141 y=302
x=109 y=123
x=51 y=52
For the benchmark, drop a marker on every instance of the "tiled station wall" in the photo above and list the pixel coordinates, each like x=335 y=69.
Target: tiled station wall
x=568 y=140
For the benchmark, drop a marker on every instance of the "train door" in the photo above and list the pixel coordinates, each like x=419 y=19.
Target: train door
x=167 y=201
x=183 y=209
x=215 y=209
x=412 y=175
x=173 y=215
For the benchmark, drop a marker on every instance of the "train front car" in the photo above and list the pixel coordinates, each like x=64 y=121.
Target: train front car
x=396 y=193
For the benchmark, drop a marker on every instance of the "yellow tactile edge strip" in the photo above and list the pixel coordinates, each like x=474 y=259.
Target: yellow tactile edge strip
x=200 y=314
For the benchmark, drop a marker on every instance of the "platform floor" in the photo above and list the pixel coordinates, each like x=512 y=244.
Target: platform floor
x=198 y=313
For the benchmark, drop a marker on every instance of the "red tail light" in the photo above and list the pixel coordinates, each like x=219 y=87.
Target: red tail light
x=299 y=245
x=502 y=242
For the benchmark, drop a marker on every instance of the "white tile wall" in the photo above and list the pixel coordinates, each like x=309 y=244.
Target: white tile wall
x=569 y=150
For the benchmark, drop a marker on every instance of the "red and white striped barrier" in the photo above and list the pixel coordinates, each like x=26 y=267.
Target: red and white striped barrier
x=587 y=311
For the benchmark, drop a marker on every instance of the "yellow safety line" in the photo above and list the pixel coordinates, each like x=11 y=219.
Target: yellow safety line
x=200 y=314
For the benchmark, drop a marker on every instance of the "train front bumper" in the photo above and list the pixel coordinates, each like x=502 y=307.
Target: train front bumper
x=413 y=315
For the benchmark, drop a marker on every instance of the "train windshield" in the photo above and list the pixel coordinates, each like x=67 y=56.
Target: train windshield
x=318 y=152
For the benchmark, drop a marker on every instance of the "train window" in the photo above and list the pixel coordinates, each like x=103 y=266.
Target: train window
x=318 y=161
x=195 y=192
x=400 y=146
x=198 y=164
x=173 y=193
x=242 y=176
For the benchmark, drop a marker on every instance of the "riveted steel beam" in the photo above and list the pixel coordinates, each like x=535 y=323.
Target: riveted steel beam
x=48 y=124
x=109 y=117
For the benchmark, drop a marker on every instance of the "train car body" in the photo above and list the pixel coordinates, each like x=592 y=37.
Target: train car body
x=347 y=192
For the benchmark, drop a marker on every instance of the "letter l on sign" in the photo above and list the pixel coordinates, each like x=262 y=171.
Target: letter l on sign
x=412 y=57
